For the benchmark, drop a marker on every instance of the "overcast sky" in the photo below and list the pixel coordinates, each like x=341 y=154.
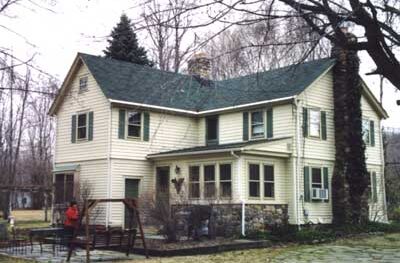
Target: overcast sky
x=82 y=26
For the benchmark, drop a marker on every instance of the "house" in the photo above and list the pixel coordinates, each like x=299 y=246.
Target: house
x=262 y=145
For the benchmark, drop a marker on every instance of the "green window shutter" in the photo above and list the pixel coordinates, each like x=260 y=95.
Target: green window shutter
x=326 y=181
x=307 y=194
x=146 y=126
x=90 y=134
x=121 y=124
x=374 y=188
x=372 y=132
x=305 y=122
x=73 y=129
x=323 y=125
x=270 y=123
x=245 y=126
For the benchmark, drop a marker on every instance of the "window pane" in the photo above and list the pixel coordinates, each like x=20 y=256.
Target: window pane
x=81 y=120
x=257 y=123
x=254 y=190
x=315 y=123
x=194 y=173
x=209 y=173
x=225 y=172
x=209 y=190
x=194 y=190
x=212 y=128
x=268 y=190
x=257 y=117
x=254 y=172
x=365 y=130
x=316 y=178
x=134 y=117
x=133 y=131
x=226 y=189
x=83 y=83
x=82 y=133
x=268 y=173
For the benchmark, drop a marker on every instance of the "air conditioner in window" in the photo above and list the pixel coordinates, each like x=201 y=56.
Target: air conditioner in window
x=319 y=194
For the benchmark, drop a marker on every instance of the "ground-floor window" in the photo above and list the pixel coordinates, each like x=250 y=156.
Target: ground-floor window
x=269 y=181
x=372 y=188
x=254 y=180
x=64 y=188
x=194 y=181
x=209 y=181
x=225 y=180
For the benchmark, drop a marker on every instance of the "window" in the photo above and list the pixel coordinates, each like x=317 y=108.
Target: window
x=372 y=188
x=268 y=181
x=82 y=126
x=316 y=178
x=134 y=124
x=315 y=123
x=64 y=188
x=212 y=130
x=366 y=131
x=194 y=181
x=225 y=181
x=257 y=124
x=254 y=180
x=83 y=81
x=209 y=181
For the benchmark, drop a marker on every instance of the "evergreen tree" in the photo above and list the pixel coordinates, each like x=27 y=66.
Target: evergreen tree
x=124 y=45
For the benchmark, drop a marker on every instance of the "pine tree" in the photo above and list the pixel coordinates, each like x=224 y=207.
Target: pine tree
x=124 y=45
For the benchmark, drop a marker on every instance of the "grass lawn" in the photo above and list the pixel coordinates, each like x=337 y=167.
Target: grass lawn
x=29 y=218
x=4 y=259
x=268 y=254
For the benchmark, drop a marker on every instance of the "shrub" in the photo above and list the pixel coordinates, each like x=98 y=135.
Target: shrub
x=395 y=215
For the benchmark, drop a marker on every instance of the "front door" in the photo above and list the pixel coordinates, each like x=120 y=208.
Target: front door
x=131 y=191
x=162 y=185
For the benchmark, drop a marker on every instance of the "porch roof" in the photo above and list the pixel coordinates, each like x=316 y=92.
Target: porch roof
x=218 y=148
x=65 y=168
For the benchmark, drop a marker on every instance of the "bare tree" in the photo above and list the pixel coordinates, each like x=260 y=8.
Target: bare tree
x=167 y=27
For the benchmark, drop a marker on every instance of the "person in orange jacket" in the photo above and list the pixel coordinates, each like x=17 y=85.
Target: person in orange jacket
x=71 y=218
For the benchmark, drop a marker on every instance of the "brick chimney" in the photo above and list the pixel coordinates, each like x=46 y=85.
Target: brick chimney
x=200 y=65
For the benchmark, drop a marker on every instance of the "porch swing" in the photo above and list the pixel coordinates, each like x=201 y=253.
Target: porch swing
x=99 y=237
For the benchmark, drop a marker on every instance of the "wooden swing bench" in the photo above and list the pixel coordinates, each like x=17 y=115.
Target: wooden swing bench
x=92 y=237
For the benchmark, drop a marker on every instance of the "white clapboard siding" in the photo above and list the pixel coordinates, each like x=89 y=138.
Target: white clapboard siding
x=167 y=132
x=230 y=127
x=74 y=102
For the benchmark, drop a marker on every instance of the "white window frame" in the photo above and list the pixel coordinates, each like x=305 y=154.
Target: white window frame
x=224 y=181
x=86 y=126
x=310 y=123
x=83 y=83
x=258 y=124
x=128 y=124
x=268 y=181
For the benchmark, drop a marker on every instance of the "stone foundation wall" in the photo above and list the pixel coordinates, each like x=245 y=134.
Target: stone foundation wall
x=228 y=217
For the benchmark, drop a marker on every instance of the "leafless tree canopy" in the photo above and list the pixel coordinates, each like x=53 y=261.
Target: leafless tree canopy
x=376 y=24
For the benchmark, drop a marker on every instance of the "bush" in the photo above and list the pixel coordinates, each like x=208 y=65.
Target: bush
x=395 y=215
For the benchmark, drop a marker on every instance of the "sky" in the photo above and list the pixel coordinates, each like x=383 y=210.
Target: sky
x=54 y=37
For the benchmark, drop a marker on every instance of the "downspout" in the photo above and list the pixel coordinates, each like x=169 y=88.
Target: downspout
x=243 y=221
x=109 y=181
x=297 y=170
x=385 y=217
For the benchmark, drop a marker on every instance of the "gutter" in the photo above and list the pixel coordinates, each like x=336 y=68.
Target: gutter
x=201 y=113
x=193 y=153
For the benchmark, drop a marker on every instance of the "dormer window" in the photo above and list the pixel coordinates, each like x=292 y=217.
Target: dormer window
x=83 y=83
x=257 y=124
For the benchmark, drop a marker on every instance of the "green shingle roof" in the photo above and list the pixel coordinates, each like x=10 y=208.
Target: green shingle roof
x=141 y=84
x=226 y=146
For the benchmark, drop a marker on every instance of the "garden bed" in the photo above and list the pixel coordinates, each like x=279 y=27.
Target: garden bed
x=159 y=248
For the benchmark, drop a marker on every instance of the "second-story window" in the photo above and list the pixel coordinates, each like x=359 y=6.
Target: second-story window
x=83 y=83
x=315 y=123
x=212 y=130
x=134 y=124
x=82 y=126
x=257 y=124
